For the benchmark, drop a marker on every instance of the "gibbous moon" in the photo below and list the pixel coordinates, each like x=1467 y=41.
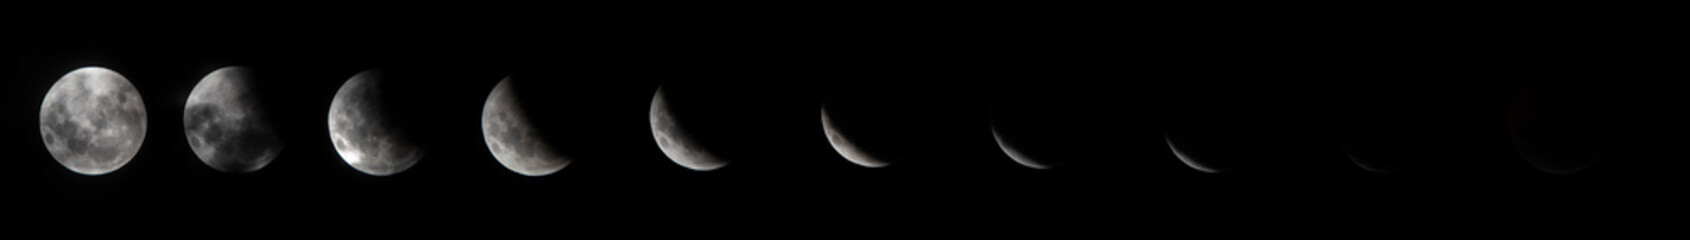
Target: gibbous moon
x=225 y=124
x=675 y=141
x=364 y=134
x=93 y=121
x=846 y=147
x=512 y=138
x=1013 y=152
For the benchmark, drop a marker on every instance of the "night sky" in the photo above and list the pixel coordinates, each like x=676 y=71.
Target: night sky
x=1289 y=92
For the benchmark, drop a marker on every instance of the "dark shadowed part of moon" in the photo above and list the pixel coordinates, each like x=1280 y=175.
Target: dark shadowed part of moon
x=511 y=136
x=226 y=125
x=93 y=121
x=365 y=136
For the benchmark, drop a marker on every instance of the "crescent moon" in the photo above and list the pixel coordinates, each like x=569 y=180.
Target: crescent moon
x=846 y=147
x=675 y=141
x=1015 y=153
x=1186 y=158
x=225 y=125
x=511 y=136
x=93 y=121
x=362 y=132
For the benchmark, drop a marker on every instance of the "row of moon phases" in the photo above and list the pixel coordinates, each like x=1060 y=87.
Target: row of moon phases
x=93 y=122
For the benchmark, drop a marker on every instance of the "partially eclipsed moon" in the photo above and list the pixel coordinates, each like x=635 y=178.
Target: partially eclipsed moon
x=362 y=132
x=512 y=138
x=93 y=121
x=1189 y=161
x=845 y=146
x=675 y=141
x=1015 y=153
x=226 y=126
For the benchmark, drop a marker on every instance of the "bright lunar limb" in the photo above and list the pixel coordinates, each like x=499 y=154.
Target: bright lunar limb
x=1187 y=158
x=1015 y=153
x=846 y=147
x=511 y=136
x=93 y=121
x=675 y=141
x=225 y=124
x=362 y=132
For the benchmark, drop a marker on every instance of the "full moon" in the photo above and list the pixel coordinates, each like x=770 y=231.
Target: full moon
x=846 y=147
x=93 y=121
x=362 y=131
x=225 y=124
x=674 y=140
x=512 y=138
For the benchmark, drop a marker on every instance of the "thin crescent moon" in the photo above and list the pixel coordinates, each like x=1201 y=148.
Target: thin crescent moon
x=675 y=141
x=1015 y=154
x=845 y=147
x=1187 y=159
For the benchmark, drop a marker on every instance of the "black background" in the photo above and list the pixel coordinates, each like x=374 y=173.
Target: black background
x=1088 y=86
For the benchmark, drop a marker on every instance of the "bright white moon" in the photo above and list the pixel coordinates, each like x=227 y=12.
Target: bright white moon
x=93 y=121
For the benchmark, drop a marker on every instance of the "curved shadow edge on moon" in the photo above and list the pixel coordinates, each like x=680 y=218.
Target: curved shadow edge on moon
x=511 y=136
x=1015 y=153
x=846 y=147
x=225 y=124
x=1189 y=161
x=359 y=131
x=675 y=141
x=93 y=121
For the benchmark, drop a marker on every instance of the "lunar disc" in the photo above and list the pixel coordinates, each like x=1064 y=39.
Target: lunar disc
x=225 y=124
x=847 y=148
x=675 y=141
x=511 y=135
x=362 y=132
x=93 y=121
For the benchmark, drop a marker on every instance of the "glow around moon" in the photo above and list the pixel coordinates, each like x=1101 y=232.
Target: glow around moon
x=846 y=147
x=93 y=121
x=675 y=141
x=362 y=132
x=226 y=126
x=1013 y=152
x=511 y=136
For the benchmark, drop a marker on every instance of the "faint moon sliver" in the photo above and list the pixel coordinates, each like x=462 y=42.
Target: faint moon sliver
x=1015 y=153
x=225 y=125
x=846 y=147
x=511 y=137
x=675 y=141
x=1187 y=159
x=356 y=127
x=93 y=121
